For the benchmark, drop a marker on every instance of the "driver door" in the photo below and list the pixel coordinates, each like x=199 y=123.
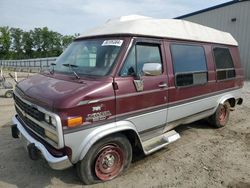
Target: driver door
x=145 y=106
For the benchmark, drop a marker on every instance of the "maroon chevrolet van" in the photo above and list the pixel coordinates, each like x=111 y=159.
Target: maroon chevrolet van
x=124 y=87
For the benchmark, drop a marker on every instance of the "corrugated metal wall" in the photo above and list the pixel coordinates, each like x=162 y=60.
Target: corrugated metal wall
x=221 y=19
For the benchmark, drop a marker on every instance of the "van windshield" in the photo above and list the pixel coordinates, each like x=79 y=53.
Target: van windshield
x=93 y=57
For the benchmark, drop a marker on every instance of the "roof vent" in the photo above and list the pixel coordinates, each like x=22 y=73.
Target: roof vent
x=233 y=20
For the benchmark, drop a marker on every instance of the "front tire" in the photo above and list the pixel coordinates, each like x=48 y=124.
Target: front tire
x=105 y=160
x=221 y=116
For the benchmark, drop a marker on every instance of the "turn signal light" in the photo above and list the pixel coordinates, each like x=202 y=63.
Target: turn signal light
x=73 y=122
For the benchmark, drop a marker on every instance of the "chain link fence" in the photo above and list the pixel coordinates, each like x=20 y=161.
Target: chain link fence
x=27 y=65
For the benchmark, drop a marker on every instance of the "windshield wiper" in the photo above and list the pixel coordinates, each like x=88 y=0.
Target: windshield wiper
x=71 y=66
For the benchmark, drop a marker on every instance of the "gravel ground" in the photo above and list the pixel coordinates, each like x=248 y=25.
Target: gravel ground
x=203 y=157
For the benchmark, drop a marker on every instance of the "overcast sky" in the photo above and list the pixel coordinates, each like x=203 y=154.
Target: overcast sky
x=76 y=16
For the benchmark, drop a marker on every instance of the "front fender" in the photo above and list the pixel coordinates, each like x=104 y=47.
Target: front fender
x=101 y=132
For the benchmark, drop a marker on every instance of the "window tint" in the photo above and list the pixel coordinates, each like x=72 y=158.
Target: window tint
x=188 y=58
x=145 y=54
x=190 y=66
x=223 y=59
x=224 y=63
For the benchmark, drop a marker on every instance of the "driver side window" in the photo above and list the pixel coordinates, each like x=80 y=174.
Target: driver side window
x=145 y=54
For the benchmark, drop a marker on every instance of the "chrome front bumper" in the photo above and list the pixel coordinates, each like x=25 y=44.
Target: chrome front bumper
x=57 y=163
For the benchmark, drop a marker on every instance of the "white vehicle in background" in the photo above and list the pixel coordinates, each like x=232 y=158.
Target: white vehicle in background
x=6 y=88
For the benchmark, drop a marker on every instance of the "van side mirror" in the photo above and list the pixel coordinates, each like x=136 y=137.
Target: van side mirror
x=152 y=69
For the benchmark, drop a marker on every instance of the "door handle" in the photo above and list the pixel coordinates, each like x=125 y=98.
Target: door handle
x=162 y=85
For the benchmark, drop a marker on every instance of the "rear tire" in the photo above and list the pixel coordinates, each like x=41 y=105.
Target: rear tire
x=105 y=160
x=221 y=116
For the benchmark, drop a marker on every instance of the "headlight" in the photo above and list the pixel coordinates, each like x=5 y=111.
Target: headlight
x=50 y=120
x=53 y=121
x=47 y=118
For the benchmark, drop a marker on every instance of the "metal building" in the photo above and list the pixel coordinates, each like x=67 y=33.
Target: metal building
x=232 y=17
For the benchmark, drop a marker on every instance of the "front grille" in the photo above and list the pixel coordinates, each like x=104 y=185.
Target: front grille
x=34 y=120
x=31 y=124
x=32 y=111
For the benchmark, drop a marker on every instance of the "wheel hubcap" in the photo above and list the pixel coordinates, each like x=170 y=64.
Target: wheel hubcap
x=109 y=162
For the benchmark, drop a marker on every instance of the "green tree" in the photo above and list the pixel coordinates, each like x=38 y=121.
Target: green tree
x=5 y=42
x=66 y=40
x=16 y=35
x=47 y=43
x=47 y=40
x=55 y=46
x=28 y=45
x=37 y=43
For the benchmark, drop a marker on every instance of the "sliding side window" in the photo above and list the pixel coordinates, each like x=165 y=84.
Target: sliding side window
x=190 y=66
x=224 y=64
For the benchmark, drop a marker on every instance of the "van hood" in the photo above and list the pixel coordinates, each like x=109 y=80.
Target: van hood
x=57 y=92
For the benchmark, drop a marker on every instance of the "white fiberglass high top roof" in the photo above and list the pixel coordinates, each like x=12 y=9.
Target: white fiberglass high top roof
x=165 y=28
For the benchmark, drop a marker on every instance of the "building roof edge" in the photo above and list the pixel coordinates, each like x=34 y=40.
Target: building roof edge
x=209 y=9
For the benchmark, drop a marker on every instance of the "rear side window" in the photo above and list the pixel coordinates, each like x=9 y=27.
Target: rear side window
x=224 y=63
x=189 y=63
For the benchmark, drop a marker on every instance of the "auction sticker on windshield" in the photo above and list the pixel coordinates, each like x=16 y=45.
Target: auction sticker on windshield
x=112 y=43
